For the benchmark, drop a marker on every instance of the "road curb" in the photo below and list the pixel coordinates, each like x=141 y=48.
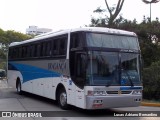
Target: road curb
x=150 y=104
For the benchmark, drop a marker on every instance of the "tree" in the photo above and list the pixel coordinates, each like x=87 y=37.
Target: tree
x=14 y=36
x=11 y=36
x=7 y=37
x=108 y=21
x=113 y=12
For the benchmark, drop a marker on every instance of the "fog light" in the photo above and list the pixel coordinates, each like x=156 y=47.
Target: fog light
x=97 y=102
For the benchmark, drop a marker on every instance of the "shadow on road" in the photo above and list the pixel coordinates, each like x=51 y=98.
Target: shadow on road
x=72 y=111
x=9 y=93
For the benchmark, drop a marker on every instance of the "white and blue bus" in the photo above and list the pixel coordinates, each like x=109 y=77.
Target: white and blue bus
x=90 y=68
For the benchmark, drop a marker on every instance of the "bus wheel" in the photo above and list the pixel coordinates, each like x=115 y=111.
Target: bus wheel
x=62 y=99
x=19 y=90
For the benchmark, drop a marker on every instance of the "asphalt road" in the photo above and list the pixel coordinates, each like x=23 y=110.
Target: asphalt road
x=25 y=105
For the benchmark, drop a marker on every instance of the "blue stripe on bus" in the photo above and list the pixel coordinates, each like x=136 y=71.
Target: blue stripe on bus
x=31 y=72
x=130 y=88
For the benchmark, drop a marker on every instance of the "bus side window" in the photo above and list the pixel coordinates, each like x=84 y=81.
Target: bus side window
x=43 y=49
x=63 y=46
x=55 y=47
x=20 y=52
x=15 y=52
x=38 y=50
x=24 y=51
x=28 y=51
x=76 y=40
x=35 y=50
x=10 y=53
x=32 y=50
x=48 y=49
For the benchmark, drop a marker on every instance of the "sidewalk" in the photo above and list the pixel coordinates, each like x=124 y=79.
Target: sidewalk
x=150 y=104
x=3 y=84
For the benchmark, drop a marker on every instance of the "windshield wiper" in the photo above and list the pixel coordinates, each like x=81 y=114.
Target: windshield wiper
x=108 y=84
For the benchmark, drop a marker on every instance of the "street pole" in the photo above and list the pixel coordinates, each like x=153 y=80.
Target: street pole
x=150 y=11
x=150 y=2
x=150 y=23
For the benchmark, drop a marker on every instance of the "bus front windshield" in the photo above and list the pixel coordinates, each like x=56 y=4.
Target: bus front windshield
x=112 y=68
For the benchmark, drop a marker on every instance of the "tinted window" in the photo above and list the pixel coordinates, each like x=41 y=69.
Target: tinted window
x=24 y=51
x=55 y=47
x=111 y=41
x=59 y=46
x=28 y=51
x=62 y=46
x=38 y=50
x=20 y=52
x=76 y=40
x=32 y=50
x=43 y=48
x=50 y=47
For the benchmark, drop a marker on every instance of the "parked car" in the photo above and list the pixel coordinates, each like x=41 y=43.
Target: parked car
x=2 y=74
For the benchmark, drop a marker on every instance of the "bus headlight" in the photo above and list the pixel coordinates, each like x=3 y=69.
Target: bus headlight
x=96 y=93
x=137 y=92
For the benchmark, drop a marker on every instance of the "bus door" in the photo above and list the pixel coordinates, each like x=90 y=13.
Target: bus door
x=80 y=77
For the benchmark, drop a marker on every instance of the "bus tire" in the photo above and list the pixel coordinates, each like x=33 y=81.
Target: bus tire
x=62 y=99
x=19 y=90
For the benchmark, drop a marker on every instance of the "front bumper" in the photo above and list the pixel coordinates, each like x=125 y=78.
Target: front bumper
x=113 y=101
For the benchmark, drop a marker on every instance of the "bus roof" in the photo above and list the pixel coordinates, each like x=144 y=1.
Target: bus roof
x=89 y=29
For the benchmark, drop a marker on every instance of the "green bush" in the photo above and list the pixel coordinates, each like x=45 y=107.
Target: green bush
x=151 y=82
x=3 y=65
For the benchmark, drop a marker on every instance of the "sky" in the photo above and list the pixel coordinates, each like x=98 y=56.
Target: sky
x=63 y=14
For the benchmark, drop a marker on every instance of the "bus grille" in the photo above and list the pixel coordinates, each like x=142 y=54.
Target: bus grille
x=112 y=92
x=119 y=92
x=126 y=92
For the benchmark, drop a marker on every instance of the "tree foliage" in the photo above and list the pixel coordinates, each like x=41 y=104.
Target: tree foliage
x=7 y=37
x=13 y=36
x=108 y=21
x=148 y=33
x=151 y=82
